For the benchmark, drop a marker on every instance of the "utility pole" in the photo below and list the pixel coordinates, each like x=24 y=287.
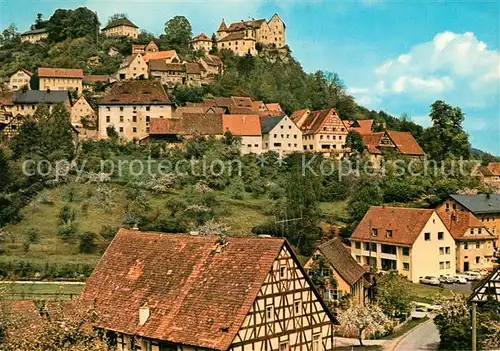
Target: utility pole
x=474 y=338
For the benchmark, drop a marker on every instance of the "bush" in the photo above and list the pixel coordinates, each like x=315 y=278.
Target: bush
x=67 y=215
x=31 y=235
x=87 y=242
x=237 y=189
x=67 y=232
x=108 y=232
x=70 y=195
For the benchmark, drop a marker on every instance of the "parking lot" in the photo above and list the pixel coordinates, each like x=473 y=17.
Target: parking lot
x=460 y=288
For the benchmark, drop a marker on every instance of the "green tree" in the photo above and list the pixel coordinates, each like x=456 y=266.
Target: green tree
x=394 y=294
x=71 y=24
x=5 y=176
x=446 y=138
x=116 y=17
x=87 y=242
x=355 y=142
x=28 y=141
x=57 y=133
x=178 y=34
x=365 y=194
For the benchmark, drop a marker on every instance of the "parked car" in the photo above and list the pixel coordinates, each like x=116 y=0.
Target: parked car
x=430 y=280
x=460 y=279
x=446 y=279
x=473 y=275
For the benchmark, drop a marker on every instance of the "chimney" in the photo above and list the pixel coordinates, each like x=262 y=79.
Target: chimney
x=135 y=227
x=143 y=314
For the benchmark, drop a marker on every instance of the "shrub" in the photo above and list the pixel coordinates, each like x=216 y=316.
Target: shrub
x=87 y=242
x=31 y=235
x=108 y=232
x=66 y=232
x=67 y=215
x=237 y=189
x=70 y=195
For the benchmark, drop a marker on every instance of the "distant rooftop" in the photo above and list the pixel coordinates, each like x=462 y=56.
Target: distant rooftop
x=120 y=22
x=34 y=31
x=481 y=203
x=41 y=97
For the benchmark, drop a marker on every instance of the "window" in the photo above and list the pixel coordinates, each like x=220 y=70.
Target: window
x=441 y=265
x=406 y=251
x=108 y=119
x=297 y=307
x=282 y=271
x=448 y=264
x=134 y=119
x=121 y=119
x=284 y=346
x=427 y=236
x=374 y=232
x=406 y=266
x=148 y=108
x=333 y=294
x=121 y=108
x=479 y=230
x=472 y=231
x=148 y=119
x=389 y=249
x=478 y=246
x=466 y=246
x=447 y=250
x=108 y=108
x=121 y=129
x=316 y=343
x=358 y=258
x=441 y=250
x=269 y=313
x=134 y=130
x=440 y=236
x=358 y=245
x=388 y=233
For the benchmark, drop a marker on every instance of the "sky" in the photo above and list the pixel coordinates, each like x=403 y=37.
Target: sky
x=397 y=56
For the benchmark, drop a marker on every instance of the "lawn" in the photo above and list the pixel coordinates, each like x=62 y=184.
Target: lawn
x=40 y=291
x=428 y=293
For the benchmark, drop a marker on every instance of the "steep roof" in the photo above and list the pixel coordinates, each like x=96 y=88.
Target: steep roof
x=372 y=141
x=222 y=26
x=481 y=203
x=297 y=115
x=237 y=26
x=406 y=143
x=315 y=119
x=341 y=260
x=60 y=72
x=362 y=126
x=136 y=92
x=120 y=22
x=161 y=65
x=29 y=73
x=242 y=101
x=41 y=97
x=34 y=31
x=268 y=123
x=201 y=37
x=96 y=78
x=212 y=60
x=405 y=223
x=242 y=125
x=160 y=55
x=236 y=36
x=188 y=123
x=274 y=107
x=494 y=167
x=192 y=68
x=198 y=293
x=458 y=224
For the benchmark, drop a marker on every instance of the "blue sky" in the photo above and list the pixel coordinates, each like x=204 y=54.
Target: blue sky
x=398 y=56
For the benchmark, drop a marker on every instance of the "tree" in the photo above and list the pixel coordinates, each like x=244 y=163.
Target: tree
x=28 y=140
x=57 y=133
x=9 y=34
x=71 y=24
x=5 y=176
x=116 y=17
x=87 y=242
x=40 y=23
x=363 y=319
x=178 y=34
x=213 y=50
x=446 y=138
x=453 y=323
x=365 y=194
x=354 y=141
x=394 y=295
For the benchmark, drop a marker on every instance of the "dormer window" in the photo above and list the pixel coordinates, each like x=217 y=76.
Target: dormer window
x=479 y=230
x=374 y=232
x=388 y=233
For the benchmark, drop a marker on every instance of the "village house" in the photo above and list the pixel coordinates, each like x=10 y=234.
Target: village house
x=187 y=125
x=144 y=49
x=212 y=65
x=34 y=36
x=25 y=103
x=349 y=278
x=475 y=245
x=122 y=27
x=20 y=79
x=241 y=43
x=133 y=67
x=82 y=109
x=488 y=289
x=6 y=107
x=93 y=81
x=70 y=79
x=362 y=126
x=380 y=144
x=412 y=241
x=169 y=56
x=281 y=135
x=267 y=33
x=129 y=106
x=196 y=292
x=193 y=74
x=486 y=207
x=202 y=42
x=490 y=174
x=247 y=127
x=168 y=73
x=322 y=131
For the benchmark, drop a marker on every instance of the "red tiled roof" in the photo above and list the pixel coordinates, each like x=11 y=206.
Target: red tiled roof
x=136 y=92
x=236 y=36
x=95 y=78
x=197 y=295
x=159 y=55
x=494 y=167
x=372 y=141
x=341 y=260
x=242 y=101
x=120 y=22
x=188 y=124
x=60 y=72
x=297 y=115
x=406 y=143
x=162 y=65
x=365 y=126
x=315 y=120
x=274 y=107
x=406 y=224
x=242 y=125
x=212 y=60
x=201 y=37
x=460 y=222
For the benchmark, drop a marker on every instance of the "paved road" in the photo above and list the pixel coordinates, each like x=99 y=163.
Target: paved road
x=423 y=338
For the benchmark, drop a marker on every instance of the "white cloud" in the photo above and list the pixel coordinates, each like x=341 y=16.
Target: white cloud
x=424 y=121
x=457 y=67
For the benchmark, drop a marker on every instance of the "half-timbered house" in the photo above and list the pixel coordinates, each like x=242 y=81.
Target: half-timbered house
x=158 y=292
x=488 y=288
